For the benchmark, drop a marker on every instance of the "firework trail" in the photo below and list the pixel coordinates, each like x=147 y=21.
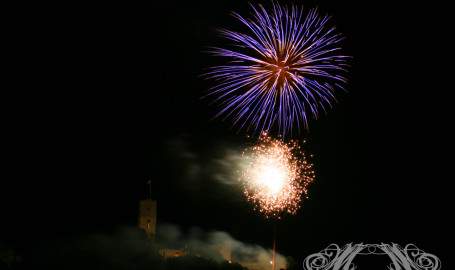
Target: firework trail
x=276 y=176
x=283 y=72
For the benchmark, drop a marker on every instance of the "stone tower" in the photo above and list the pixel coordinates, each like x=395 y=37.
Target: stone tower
x=147 y=217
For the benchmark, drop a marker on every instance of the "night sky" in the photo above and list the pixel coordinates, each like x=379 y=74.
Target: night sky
x=106 y=95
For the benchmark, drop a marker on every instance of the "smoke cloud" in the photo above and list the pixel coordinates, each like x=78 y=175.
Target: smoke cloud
x=128 y=248
x=218 y=246
x=221 y=163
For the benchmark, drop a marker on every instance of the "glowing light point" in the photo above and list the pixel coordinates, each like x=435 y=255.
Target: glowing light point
x=272 y=177
x=276 y=176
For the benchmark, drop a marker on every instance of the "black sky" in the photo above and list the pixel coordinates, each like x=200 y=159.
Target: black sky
x=103 y=94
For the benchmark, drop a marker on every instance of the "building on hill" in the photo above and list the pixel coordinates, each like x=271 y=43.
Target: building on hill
x=147 y=217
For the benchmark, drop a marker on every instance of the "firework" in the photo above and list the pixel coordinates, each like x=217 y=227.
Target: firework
x=276 y=176
x=283 y=72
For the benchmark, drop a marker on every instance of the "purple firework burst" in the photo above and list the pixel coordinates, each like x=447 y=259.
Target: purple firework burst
x=281 y=73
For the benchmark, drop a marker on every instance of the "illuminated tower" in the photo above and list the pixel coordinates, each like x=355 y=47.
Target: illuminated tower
x=147 y=215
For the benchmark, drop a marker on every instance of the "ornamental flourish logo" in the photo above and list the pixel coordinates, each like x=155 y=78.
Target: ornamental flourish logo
x=408 y=258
